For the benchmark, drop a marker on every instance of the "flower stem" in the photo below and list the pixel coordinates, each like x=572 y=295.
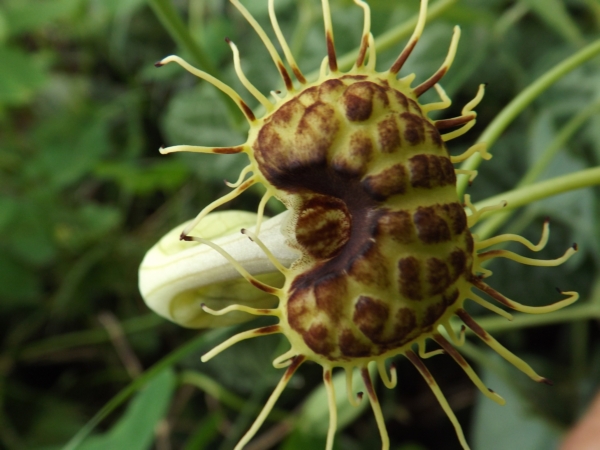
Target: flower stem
x=493 y=223
x=583 y=311
x=173 y=357
x=547 y=188
x=524 y=99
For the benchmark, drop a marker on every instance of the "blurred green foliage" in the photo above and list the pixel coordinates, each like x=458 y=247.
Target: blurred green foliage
x=84 y=193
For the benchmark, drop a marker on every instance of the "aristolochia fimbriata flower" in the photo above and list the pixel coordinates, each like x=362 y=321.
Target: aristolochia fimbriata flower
x=386 y=255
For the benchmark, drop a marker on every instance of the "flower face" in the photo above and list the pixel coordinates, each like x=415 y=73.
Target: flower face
x=385 y=254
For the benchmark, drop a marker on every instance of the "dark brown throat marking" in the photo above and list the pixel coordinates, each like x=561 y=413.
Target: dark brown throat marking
x=303 y=150
x=323 y=226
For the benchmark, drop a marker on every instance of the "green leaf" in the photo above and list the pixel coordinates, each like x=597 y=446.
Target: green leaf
x=510 y=426
x=167 y=174
x=31 y=231
x=135 y=430
x=198 y=117
x=8 y=210
x=18 y=285
x=314 y=419
x=556 y=16
x=70 y=146
x=20 y=77
x=27 y=15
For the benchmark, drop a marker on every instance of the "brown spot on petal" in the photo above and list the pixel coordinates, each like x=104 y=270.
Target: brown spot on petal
x=370 y=316
x=329 y=88
x=309 y=96
x=409 y=280
x=448 y=173
x=398 y=225
x=431 y=228
x=318 y=339
x=457 y=217
x=438 y=276
x=368 y=266
x=429 y=171
x=419 y=171
x=450 y=299
x=323 y=226
x=358 y=101
x=329 y=292
x=469 y=244
x=351 y=346
x=458 y=261
x=352 y=160
x=434 y=134
x=414 y=131
x=388 y=182
x=432 y=314
x=405 y=324
x=389 y=135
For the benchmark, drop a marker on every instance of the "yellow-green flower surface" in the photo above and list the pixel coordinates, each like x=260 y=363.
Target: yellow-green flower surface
x=379 y=251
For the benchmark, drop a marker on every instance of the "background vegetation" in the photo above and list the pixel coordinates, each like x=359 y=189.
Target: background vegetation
x=84 y=193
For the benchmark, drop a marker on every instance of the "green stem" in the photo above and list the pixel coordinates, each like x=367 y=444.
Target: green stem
x=548 y=188
x=583 y=311
x=140 y=382
x=169 y=18
x=487 y=228
x=524 y=99
x=391 y=37
x=215 y=390
x=85 y=338
x=166 y=13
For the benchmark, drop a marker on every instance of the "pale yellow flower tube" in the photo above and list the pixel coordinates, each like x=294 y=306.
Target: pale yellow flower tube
x=176 y=277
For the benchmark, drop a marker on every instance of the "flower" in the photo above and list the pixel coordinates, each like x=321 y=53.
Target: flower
x=376 y=251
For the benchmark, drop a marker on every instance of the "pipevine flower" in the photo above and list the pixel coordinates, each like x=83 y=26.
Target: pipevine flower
x=378 y=253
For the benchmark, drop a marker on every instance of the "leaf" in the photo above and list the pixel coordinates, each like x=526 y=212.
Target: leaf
x=27 y=15
x=510 y=426
x=8 y=210
x=556 y=16
x=70 y=146
x=166 y=175
x=19 y=286
x=198 y=117
x=20 y=77
x=135 y=429
x=31 y=231
x=314 y=419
